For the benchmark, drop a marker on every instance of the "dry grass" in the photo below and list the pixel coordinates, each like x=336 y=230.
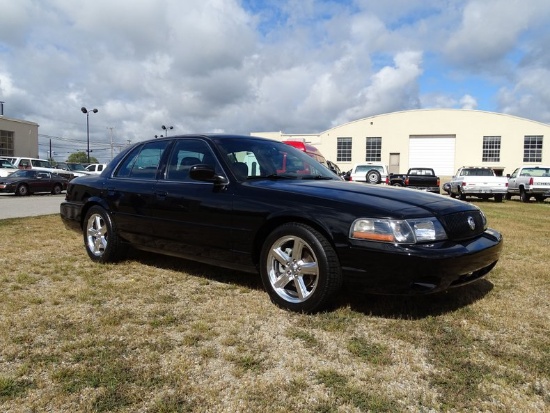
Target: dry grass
x=156 y=334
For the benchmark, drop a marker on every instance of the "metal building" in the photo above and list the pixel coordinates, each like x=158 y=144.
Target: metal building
x=443 y=139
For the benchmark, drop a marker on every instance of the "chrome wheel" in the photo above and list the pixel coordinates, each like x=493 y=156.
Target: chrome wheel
x=292 y=269
x=100 y=236
x=96 y=234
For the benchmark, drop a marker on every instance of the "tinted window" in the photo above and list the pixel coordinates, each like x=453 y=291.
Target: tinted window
x=186 y=153
x=143 y=161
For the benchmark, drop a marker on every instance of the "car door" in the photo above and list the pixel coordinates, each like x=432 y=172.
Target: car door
x=130 y=191
x=512 y=182
x=192 y=218
x=42 y=182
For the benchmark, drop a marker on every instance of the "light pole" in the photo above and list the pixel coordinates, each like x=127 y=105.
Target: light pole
x=166 y=128
x=87 y=113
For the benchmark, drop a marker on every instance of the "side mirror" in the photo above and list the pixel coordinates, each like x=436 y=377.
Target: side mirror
x=508 y=176
x=206 y=173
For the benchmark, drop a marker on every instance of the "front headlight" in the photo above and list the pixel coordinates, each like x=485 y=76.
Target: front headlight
x=410 y=231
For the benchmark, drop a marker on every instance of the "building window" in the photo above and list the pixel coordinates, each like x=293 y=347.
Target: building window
x=491 y=149
x=374 y=150
x=6 y=143
x=532 y=149
x=343 y=150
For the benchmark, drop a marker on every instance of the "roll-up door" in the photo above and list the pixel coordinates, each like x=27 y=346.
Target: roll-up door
x=433 y=151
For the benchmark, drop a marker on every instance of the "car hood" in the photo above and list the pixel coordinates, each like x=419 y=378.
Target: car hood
x=386 y=199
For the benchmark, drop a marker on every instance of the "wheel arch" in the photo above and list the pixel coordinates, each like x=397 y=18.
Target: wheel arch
x=89 y=202
x=274 y=222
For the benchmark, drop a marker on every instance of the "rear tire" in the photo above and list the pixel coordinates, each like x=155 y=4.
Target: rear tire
x=523 y=195
x=299 y=268
x=461 y=195
x=56 y=190
x=101 y=240
x=498 y=198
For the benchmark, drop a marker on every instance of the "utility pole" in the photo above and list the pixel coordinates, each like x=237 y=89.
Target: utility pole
x=111 y=133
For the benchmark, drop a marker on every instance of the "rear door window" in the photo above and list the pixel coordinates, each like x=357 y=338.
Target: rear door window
x=143 y=161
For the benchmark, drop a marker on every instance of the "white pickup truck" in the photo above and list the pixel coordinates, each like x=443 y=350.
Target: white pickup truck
x=480 y=182
x=529 y=181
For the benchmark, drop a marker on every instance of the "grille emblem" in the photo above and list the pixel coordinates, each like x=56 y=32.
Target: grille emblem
x=471 y=223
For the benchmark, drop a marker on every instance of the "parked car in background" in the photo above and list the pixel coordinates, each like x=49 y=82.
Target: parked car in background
x=369 y=172
x=423 y=179
x=480 y=182
x=77 y=169
x=334 y=168
x=6 y=167
x=96 y=168
x=309 y=149
x=39 y=165
x=447 y=188
x=25 y=182
x=232 y=201
x=529 y=181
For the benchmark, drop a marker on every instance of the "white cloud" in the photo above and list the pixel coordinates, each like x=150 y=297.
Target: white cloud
x=393 y=88
x=468 y=102
x=530 y=96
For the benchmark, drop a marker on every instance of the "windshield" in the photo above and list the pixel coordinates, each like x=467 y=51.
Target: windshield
x=258 y=158
x=21 y=173
x=76 y=167
x=6 y=164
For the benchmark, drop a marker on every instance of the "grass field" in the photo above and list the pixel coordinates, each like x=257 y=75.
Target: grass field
x=157 y=334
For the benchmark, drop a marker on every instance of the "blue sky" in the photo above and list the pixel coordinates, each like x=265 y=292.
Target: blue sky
x=241 y=66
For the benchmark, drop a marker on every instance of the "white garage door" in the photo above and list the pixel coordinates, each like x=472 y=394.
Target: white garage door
x=433 y=151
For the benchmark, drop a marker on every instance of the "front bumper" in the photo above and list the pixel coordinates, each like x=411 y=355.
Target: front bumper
x=419 y=269
x=7 y=189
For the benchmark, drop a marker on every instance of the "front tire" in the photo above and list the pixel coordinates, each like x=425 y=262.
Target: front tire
x=101 y=240
x=299 y=268
x=22 y=190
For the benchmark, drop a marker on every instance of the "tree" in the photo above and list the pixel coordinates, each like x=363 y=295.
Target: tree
x=80 y=157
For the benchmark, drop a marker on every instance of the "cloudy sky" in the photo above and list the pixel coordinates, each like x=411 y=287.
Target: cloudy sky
x=241 y=66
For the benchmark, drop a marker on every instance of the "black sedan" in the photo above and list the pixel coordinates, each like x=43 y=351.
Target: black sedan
x=258 y=205
x=26 y=182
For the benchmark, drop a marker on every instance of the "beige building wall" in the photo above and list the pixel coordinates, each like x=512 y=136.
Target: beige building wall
x=25 y=136
x=468 y=127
